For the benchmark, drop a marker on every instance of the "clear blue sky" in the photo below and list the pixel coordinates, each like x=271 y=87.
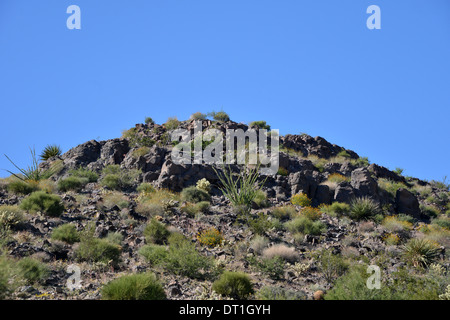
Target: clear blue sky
x=303 y=66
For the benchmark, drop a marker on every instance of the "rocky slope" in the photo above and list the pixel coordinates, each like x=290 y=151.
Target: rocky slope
x=324 y=172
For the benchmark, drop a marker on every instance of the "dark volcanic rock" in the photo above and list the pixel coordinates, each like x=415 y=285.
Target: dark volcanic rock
x=407 y=203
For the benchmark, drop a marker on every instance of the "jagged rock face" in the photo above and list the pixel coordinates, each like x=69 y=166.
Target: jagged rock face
x=313 y=146
x=157 y=167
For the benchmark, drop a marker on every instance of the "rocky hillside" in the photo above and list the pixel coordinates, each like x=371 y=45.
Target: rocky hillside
x=121 y=208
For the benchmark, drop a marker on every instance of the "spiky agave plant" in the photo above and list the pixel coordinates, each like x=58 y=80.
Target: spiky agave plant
x=32 y=172
x=421 y=252
x=50 y=151
x=241 y=189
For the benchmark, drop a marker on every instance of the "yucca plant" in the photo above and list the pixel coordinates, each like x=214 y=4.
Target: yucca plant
x=241 y=189
x=363 y=208
x=50 y=151
x=421 y=252
x=32 y=172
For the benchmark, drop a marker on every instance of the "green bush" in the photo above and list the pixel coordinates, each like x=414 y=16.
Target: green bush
x=194 y=195
x=32 y=270
x=50 y=151
x=260 y=199
x=115 y=178
x=430 y=211
x=7 y=283
x=154 y=254
x=306 y=226
x=236 y=285
x=331 y=265
x=260 y=125
x=143 y=286
x=21 y=187
x=72 y=183
x=301 y=199
x=198 y=116
x=67 y=233
x=181 y=258
x=363 y=208
x=172 y=123
x=285 y=212
x=145 y=188
x=85 y=173
x=337 y=209
x=93 y=249
x=272 y=267
x=40 y=201
x=149 y=121
x=156 y=232
x=114 y=238
x=443 y=222
x=219 y=116
x=278 y=293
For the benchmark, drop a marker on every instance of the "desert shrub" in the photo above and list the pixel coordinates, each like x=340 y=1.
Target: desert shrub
x=301 y=199
x=259 y=224
x=331 y=265
x=198 y=116
x=142 y=286
x=284 y=212
x=443 y=222
x=390 y=186
x=272 y=267
x=93 y=249
x=135 y=139
x=32 y=270
x=363 y=208
x=114 y=238
x=191 y=209
x=336 y=209
x=72 y=183
x=7 y=283
x=204 y=184
x=343 y=154
x=181 y=258
x=50 y=151
x=145 y=187
x=311 y=213
x=43 y=202
x=172 y=123
x=391 y=239
x=430 y=211
x=21 y=187
x=67 y=233
x=240 y=190
x=259 y=243
x=10 y=216
x=337 y=178
x=84 y=173
x=280 y=250
x=306 y=226
x=154 y=254
x=260 y=199
x=210 y=237
x=260 y=125
x=219 y=116
x=149 y=121
x=115 y=178
x=156 y=232
x=279 y=293
x=235 y=285
x=194 y=195
x=395 y=225
x=421 y=252
x=283 y=172
x=111 y=199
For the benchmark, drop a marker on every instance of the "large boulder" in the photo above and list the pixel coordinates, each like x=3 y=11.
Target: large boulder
x=113 y=151
x=363 y=183
x=407 y=203
x=344 y=192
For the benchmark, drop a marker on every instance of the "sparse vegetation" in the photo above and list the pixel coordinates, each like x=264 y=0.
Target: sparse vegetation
x=143 y=286
x=40 y=201
x=235 y=285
